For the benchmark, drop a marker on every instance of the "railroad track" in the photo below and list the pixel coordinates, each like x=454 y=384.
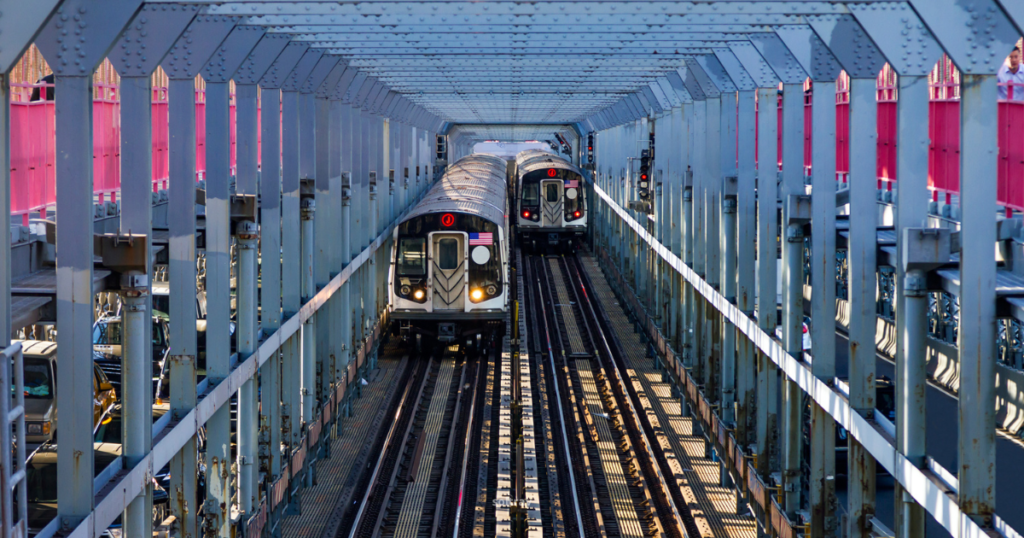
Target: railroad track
x=425 y=456
x=617 y=475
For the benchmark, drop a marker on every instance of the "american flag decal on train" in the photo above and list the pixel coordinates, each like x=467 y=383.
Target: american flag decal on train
x=572 y=184
x=481 y=239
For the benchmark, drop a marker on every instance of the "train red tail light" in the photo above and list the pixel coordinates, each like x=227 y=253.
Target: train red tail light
x=526 y=213
x=576 y=214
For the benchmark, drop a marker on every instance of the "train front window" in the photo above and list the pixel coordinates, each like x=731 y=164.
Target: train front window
x=412 y=256
x=551 y=192
x=448 y=254
x=531 y=194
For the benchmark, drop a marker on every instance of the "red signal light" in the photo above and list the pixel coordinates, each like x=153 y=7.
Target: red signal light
x=447 y=220
x=552 y=172
x=643 y=177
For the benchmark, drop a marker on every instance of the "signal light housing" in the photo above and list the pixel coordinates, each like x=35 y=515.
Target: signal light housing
x=643 y=185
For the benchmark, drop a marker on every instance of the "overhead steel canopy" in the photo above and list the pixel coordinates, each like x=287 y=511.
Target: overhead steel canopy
x=587 y=62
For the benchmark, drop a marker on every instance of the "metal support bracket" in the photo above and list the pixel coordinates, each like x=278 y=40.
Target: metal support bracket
x=243 y=208
x=122 y=252
x=925 y=249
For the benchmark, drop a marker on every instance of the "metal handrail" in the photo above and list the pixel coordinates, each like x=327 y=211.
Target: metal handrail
x=13 y=481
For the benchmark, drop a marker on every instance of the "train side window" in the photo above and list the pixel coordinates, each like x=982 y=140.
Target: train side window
x=552 y=192
x=448 y=254
x=531 y=194
x=412 y=256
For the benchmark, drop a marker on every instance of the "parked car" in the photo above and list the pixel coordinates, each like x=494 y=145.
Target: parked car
x=806 y=336
x=41 y=482
x=41 y=391
x=885 y=403
x=107 y=342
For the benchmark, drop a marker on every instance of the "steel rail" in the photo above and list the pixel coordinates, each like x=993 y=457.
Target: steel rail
x=481 y=376
x=576 y=274
x=399 y=412
x=442 y=504
x=925 y=488
x=561 y=412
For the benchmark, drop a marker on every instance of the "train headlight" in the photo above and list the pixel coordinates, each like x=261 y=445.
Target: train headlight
x=492 y=290
x=405 y=290
x=418 y=295
x=476 y=294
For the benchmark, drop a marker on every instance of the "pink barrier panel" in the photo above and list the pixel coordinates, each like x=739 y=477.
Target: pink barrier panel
x=886 y=167
x=106 y=148
x=33 y=154
x=200 y=134
x=161 y=140
x=843 y=136
x=233 y=138
x=944 y=149
x=1011 y=153
x=808 y=134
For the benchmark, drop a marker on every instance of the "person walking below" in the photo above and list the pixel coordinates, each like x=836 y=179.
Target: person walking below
x=1011 y=78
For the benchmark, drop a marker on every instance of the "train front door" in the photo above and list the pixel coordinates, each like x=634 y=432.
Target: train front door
x=551 y=202
x=448 y=271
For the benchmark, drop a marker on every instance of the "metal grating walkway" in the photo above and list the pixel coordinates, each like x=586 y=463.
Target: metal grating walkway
x=412 y=506
x=615 y=478
x=321 y=503
x=713 y=506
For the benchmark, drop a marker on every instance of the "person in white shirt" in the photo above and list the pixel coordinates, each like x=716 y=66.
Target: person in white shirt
x=1011 y=73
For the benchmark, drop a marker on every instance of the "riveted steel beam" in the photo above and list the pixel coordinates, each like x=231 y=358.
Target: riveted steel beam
x=142 y=46
x=74 y=41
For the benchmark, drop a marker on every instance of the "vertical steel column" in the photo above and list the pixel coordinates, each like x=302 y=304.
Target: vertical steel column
x=746 y=223
x=862 y=270
x=977 y=334
x=74 y=296
x=344 y=324
x=270 y=273
x=246 y=233
x=674 y=186
x=331 y=367
x=182 y=217
x=322 y=247
x=218 y=304
x=712 y=209
x=248 y=412
x=137 y=218
x=688 y=310
x=136 y=382
x=727 y=188
x=309 y=328
x=5 y=208
x=823 y=306
x=767 y=254
x=792 y=285
x=911 y=375
x=699 y=305
x=290 y=270
x=862 y=278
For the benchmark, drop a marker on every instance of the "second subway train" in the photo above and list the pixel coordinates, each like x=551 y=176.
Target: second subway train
x=551 y=202
x=449 y=276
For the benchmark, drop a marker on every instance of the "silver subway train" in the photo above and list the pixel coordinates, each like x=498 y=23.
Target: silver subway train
x=449 y=276
x=550 y=200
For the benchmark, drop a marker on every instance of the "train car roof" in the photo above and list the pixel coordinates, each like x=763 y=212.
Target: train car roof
x=534 y=162
x=530 y=154
x=474 y=185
